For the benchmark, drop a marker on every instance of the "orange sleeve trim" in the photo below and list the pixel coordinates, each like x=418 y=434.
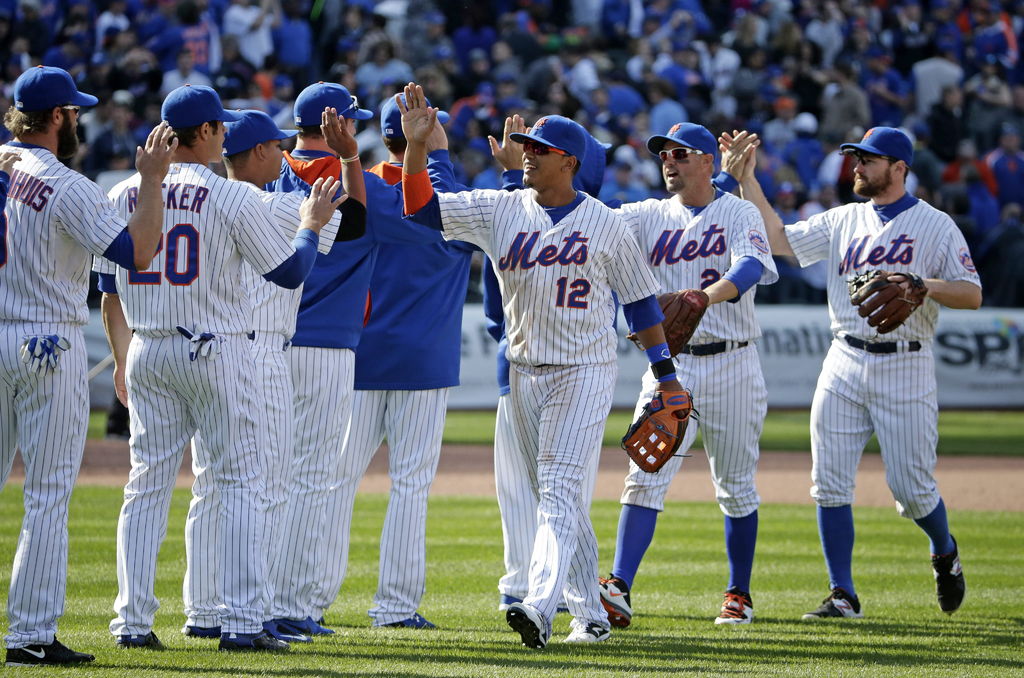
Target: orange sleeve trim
x=416 y=191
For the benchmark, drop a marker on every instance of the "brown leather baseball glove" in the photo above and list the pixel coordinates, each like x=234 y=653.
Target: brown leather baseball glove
x=683 y=311
x=887 y=299
x=657 y=433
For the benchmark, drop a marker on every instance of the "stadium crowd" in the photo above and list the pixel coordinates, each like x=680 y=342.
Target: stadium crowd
x=805 y=75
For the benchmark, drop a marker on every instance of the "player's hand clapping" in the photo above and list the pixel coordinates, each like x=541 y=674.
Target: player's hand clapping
x=418 y=119
x=509 y=154
x=7 y=160
x=319 y=206
x=739 y=151
x=337 y=134
x=154 y=159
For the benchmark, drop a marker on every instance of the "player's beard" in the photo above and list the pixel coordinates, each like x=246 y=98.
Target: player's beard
x=67 y=139
x=869 y=189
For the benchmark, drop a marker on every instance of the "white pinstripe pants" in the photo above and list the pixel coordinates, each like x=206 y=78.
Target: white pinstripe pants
x=413 y=423
x=171 y=399
x=322 y=382
x=516 y=482
x=560 y=414
x=893 y=395
x=275 y=415
x=46 y=417
x=729 y=392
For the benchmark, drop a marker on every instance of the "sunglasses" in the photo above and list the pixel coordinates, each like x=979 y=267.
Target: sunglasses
x=678 y=154
x=352 y=108
x=70 y=107
x=537 y=148
x=866 y=158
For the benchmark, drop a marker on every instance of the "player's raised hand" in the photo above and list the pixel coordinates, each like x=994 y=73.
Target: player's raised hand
x=7 y=160
x=509 y=154
x=337 y=134
x=418 y=119
x=318 y=207
x=739 y=151
x=153 y=159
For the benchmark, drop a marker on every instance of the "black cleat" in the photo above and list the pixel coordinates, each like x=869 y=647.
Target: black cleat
x=949 y=580
x=147 y=641
x=528 y=622
x=839 y=604
x=252 y=642
x=54 y=654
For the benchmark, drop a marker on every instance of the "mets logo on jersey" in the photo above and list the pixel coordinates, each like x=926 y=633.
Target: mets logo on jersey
x=966 y=261
x=757 y=240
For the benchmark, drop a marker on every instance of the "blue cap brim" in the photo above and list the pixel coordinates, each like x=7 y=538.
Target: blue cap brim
x=360 y=114
x=230 y=116
x=83 y=99
x=867 y=148
x=443 y=117
x=657 y=142
x=519 y=138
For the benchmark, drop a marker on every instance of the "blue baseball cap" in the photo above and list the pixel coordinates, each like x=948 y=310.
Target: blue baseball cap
x=254 y=127
x=312 y=101
x=391 y=118
x=557 y=132
x=191 y=105
x=44 y=87
x=887 y=141
x=591 y=174
x=686 y=134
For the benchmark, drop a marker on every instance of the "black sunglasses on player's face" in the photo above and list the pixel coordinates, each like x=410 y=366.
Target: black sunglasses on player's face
x=537 y=148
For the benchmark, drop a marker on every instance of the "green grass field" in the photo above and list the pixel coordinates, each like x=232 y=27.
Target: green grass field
x=676 y=597
x=960 y=432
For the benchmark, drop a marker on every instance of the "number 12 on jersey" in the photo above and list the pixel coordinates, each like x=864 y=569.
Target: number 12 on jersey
x=577 y=292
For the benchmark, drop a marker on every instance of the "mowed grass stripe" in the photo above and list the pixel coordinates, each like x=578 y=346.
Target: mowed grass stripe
x=677 y=594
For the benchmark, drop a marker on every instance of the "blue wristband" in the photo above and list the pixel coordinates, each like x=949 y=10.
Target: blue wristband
x=667 y=377
x=657 y=353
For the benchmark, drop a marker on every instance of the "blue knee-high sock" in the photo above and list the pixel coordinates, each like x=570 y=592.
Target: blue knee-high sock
x=636 y=530
x=835 y=525
x=936 y=526
x=740 y=538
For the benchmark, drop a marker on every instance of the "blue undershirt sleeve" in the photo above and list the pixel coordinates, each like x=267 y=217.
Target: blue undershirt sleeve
x=5 y=183
x=107 y=283
x=511 y=180
x=122 y=250
x=744 y=274
x=642 y=314
x=725 y=182
x=429 y=215
x=293 y=271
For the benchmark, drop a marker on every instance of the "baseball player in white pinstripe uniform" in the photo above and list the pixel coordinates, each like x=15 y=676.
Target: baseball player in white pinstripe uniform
x=871 y=383
x=190 y=366
x=559 y=255
x=702 y=238
x=54 y=220
x=252 y=150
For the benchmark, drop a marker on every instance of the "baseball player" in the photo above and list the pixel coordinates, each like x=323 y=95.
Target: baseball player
x=54 y=220
x=408 y=360
x=702 y=238
x=871 y=383
x=559 y=255
x=517 y=496
x=335 y=301
x=183 y=330
x=252 y=153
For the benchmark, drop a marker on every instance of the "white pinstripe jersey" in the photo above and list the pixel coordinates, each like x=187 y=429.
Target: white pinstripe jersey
x=852 y=239
x=54 y=222
x=687 y=251
x=274 y=308
x=196 y=280
x=556 y=281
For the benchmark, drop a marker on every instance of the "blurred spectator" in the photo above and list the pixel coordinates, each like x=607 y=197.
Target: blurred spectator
x=33 y=28
x=967 y=155
x=1007 y=164
x=989 y=102
x=826 y=31
x=114 y=16
x=184 y=74
x=908 y=39
x=475 y=33
x=998 y=258
x=425 y=36
x=993 y=37
x=114 y=147
x=844 y=104
x=293 y=41
x=983 y=206
x=665 y=111
x=383 y=71
x=805 y=153
x=253 y=23
x=946 y=122
x=927 y=166
x=620 y=184
x=888 y=93
x=235 y=74
x=778 y=131
x=932 y=75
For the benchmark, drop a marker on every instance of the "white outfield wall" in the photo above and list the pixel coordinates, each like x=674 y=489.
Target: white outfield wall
x=979 y=358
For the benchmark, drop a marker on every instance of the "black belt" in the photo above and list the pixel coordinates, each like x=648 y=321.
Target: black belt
x=712 y=349
x=881 y=347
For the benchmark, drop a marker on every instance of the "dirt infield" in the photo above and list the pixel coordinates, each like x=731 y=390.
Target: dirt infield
x=980 y=483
